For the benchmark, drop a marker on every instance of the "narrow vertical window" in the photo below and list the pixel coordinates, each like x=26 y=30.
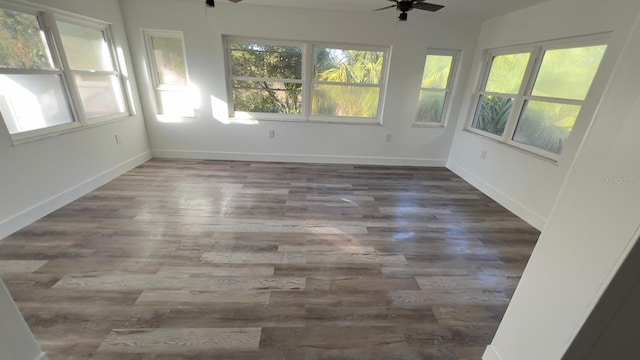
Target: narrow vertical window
x=435 y=88
x=168 y=65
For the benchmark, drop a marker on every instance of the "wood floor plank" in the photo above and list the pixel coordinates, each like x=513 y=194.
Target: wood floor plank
x=20 y=266
x=127 y=282
x=172 y=341
x=182 y=297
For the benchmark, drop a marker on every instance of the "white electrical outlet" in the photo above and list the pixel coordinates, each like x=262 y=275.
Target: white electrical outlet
x=118 y=139
x=483 y=155
x=272 y=134
x=387 y=138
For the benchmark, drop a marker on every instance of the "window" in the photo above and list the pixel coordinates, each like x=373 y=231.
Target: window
x=33 y=93
x=168 y=65
x=347 y=82
x=56 y=74
x=436 y=85
x=303 y=81
x=92 y=65
x=532 y=98
x=266 y=78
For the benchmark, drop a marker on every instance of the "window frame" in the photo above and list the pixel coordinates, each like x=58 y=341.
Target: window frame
x=382 y=85
x=446 y=106
x=160 y=88
x=47 y=18
x=308 y=81
x=105 y=29
x=537 y=51
x=230 y=78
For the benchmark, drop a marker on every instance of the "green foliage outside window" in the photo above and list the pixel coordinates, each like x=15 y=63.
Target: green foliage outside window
x=21 y=42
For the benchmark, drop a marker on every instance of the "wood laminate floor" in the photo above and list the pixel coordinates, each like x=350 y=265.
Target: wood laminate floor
x=234 y=260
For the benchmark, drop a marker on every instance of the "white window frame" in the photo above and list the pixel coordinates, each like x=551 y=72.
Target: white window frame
x=537 y=51
x=160 y=88
x=307 y=82
x=230 y=78
x=47 y=17
x=105 y=28
x=446 y=107
x=347 y=119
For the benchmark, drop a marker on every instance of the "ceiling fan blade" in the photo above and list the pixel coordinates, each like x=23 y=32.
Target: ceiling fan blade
x=235 y=1
x=427 y=6
x=386 y=7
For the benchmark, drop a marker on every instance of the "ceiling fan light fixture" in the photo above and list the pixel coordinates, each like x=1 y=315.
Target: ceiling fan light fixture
x=403 y=16
x=210 y=3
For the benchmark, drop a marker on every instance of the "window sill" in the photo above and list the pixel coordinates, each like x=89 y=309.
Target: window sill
x=35 y=135
x=513 y=147
x=428 y=125
x=336 y=121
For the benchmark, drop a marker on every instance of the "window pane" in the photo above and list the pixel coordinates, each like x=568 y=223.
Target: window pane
x=568 y=73
x=85 y=47
x=101 y=95
x=492 y=114
x=267 y=97
x=430 y=106
x=436 y=71
x=31 y=102
x=266 y=61
x=22 y=42
x=347 y=101
x=170 y=63
x=507 y=72
x=546 y=125
x=348 y=66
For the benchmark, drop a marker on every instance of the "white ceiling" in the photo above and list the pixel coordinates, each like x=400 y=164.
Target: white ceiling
x=479 y=9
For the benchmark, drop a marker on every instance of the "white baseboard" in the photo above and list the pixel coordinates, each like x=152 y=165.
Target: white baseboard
x=17 y=222
x=490 y=354
x=500 y=197
x=319 y=159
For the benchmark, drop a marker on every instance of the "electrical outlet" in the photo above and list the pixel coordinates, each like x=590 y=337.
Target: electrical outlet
x=483 y=155
x=387 y=138
x=272 y=134
x=118 y=139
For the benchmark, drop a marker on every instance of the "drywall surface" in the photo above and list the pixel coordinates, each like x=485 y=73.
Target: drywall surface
x=210 y=135
x=40 y=176
x=591 y=229
x=525 y=184
x=16 y=340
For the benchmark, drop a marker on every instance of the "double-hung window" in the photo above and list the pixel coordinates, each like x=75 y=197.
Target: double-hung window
x=347 y=82
x=91 y=62
x=56 y=73
x=435 y=88
x=531 y=97
x=168 y=65
x=270 y=79
x=33 y=92
x=266 y=78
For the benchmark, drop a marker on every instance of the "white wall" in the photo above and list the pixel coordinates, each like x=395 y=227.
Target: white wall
x=206 y=137
x=525 y=184
x=592 y=228
x=16 y=340
x=43 y=175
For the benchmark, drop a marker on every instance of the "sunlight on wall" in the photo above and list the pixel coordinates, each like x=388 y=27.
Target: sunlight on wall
x=220 y=111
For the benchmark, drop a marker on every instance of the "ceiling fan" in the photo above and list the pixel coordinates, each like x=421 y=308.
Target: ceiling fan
x=211 y=3
x=405 y=6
